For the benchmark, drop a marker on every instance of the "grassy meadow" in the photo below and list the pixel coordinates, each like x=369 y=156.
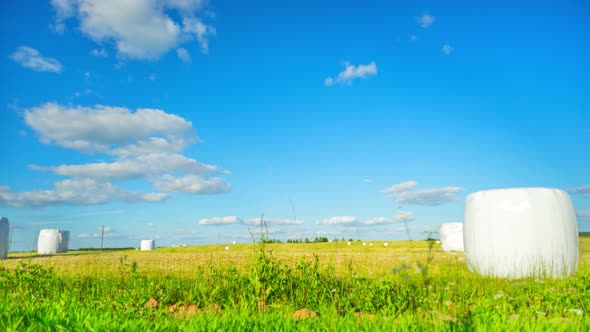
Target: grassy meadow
x=409 y=285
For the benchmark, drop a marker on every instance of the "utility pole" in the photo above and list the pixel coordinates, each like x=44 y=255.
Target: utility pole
x=101 y=237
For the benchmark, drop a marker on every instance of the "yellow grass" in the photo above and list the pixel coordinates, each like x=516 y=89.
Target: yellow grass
x=184 y=261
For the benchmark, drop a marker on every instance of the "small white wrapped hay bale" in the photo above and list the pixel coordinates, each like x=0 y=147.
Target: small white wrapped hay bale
x=348 y=243
x=521 y=232
x=147 y=245
x=4 y=237
x=451 y=236
x=52 y=241
x=385 y=244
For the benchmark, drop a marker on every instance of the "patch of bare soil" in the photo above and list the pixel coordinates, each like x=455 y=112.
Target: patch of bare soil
x=152 y=303
x=304 y=314
x=183 y=311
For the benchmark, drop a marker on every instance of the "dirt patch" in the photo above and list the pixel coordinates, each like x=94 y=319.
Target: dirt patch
x=184 y=311
x=304 y=314
x=152 y=303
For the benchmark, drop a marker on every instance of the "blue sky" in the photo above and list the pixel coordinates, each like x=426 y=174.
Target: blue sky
x=186 y=120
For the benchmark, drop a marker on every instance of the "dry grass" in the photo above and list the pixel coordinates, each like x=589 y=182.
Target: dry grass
x=187 y=260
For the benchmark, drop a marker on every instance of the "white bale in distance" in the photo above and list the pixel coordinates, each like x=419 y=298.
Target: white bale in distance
x=348 y=243
x=364 y=244
x=52 y=241
x=226 y=248
x=370 y=244
x=4 y=237
x=451 y=236
x=521 y=232
x=385 y=244
x=147 y=245
x=234 y=242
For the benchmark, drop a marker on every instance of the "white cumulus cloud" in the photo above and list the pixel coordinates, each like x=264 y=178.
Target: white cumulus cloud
x=339 y=220
x=404 y=216
x=216 y=221
x=192 y=184
x=378 y=221
x=352 y=72
x=145 y=145
x=425 y=20
x=98 y=128
x=75 y=192
x=584 y=190
x=256 y=221
x=201 y=31
x=399 y=217
x=149 y=165
x=405 y=193
x=100 y=53
x=447 y=49
x=183 y=55
x=401 y=187
x=32 y=59
x=154 y=145
x=137 y=29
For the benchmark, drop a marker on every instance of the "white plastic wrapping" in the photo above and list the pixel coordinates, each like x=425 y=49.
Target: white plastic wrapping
x=521 y=232
x=4 y=237
x=52 y=241
x=65 y=241
x=451 y=236
x=148 y=245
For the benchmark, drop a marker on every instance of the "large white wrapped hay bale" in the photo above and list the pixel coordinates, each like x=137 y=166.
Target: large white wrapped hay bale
x=148 y=245
x=4 y=237
x=52 y=241
x=521 y=232
x=451 y=236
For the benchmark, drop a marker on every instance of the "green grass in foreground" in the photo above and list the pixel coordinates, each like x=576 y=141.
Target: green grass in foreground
x=407 y=286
